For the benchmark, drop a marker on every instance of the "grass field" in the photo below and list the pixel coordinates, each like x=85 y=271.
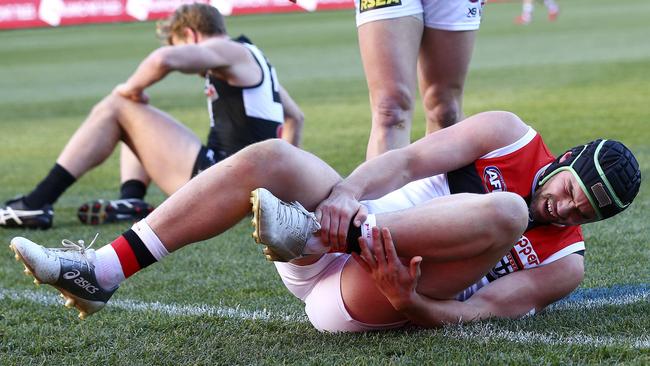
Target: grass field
x=220 y=302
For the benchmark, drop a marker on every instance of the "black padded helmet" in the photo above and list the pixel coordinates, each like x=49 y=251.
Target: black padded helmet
x=607 y=172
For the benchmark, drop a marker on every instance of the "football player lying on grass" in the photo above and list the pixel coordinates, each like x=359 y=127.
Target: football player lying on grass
x=484 y=222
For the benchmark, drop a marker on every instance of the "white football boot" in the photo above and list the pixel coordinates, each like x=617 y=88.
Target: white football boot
x=70 y=270
x=283 y=228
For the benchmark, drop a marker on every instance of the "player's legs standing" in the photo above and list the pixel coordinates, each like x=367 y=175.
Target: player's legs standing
x=446 y=50
x=389 y=39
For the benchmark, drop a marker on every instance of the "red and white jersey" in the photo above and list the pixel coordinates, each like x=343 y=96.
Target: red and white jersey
x=516 y=168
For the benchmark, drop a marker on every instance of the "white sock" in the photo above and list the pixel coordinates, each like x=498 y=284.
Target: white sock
x=366 y=229
x=108 y=269
x=150 y=240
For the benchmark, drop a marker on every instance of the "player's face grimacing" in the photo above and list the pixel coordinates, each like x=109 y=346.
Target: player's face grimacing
x=561 y=201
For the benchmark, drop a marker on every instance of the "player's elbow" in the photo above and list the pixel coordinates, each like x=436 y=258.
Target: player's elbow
x=161 y=59
x=295 y=120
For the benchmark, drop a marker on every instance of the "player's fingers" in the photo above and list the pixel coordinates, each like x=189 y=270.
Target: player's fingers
x=333 y=233
x=414 y=267
x=361 y=216
x=389 y=247
x=378 y=247
x=366 y=254
x=342 y=232
x=325 y=226
x=318 y=213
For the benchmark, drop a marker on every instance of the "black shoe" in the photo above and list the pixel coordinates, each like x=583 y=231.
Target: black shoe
x=103 y=211
x=15 y=214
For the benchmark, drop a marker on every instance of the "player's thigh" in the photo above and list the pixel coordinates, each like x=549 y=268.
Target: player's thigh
x=166 y=148
x=444 y=59
x=389 y=50
x=448 y=40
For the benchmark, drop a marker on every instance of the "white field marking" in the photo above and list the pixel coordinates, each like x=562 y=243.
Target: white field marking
x=477 y=331
x=488 y=332
x=581 y=304
x=169 y=309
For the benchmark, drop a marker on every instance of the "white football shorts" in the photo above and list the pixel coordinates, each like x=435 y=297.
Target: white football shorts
x=451 y=15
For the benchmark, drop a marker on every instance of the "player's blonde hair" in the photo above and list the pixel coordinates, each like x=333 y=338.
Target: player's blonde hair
x=201 y=18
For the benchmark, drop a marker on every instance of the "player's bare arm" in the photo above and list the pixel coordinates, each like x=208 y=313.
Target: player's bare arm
x=294 y=119
x=218 y=55
x=440 y=152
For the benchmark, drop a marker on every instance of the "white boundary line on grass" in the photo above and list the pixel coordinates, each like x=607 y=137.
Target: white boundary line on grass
x=489 y=332
x=48 y=298
x=485 y=331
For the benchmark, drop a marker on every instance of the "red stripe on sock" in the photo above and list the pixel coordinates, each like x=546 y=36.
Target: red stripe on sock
x=126 y=256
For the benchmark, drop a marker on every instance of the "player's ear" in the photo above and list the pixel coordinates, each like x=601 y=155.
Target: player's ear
x=565 y=156
x=190 y=35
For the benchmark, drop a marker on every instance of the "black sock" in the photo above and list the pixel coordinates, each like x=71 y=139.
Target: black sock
x=133 y=188
x=352 y=239
x=50 y=188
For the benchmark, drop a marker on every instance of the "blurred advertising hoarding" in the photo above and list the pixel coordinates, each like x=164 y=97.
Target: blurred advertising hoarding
x=52 y=13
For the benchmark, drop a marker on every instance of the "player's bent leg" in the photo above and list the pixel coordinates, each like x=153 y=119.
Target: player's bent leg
x=460 y=249
x=458 y=226
x=461 y=237
x=442 y=68
x=165 y=147
x=71 y=270
x=391 y=77
x=211 y=203
x=219 y=197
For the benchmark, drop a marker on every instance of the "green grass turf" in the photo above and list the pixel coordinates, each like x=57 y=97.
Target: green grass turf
x=585 y=76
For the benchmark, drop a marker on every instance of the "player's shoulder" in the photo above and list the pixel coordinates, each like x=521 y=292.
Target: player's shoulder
x=494 y=130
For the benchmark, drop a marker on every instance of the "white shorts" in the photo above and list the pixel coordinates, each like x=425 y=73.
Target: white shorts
x=451 y=15
x=319 y=284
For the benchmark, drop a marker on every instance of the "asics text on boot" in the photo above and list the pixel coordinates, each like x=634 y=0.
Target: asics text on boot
x=283 y=228
x=70 y=270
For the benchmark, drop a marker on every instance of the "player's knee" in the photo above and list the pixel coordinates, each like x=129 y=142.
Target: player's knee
x=392 y=110
x=270 y=154
x=442 y=104
x=509 y=213
x=108 y=106
x=444 y=114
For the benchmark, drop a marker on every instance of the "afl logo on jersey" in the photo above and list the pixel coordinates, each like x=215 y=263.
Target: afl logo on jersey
x=493 y=180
